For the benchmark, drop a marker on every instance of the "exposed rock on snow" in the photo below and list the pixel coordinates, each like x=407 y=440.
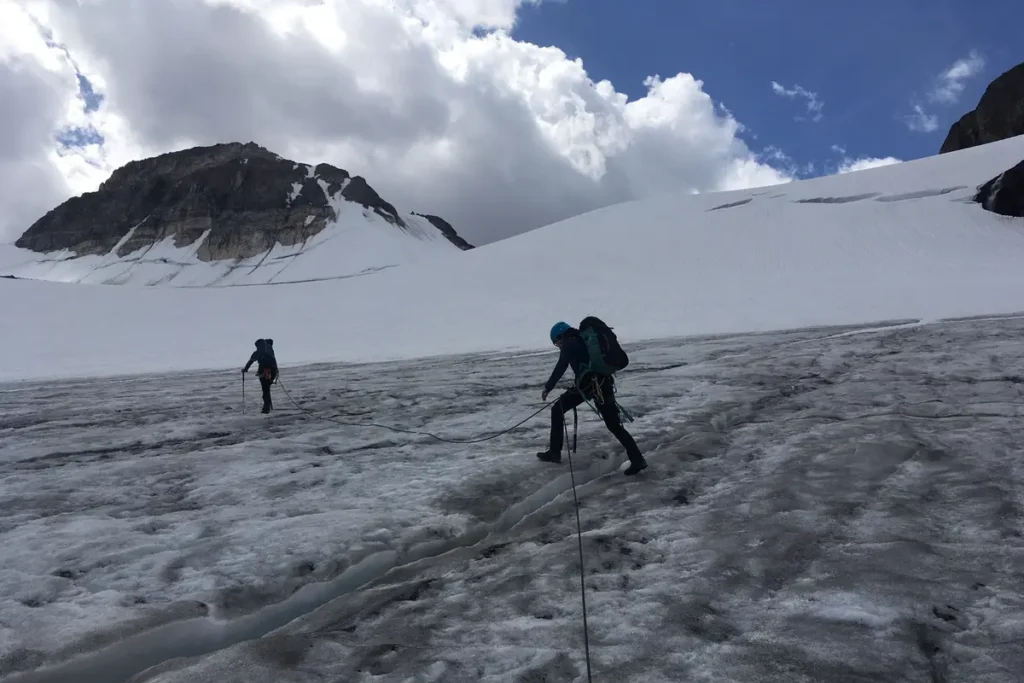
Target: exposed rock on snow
x=242 y=197
x=448 y=231
x=999 y=114
x=1004 y=194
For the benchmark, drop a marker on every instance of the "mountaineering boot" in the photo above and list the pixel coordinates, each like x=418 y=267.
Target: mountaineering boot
x=550 y=456
x=636 y=465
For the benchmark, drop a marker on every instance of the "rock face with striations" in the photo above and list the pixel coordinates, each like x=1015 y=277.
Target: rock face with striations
x=247 y=197
x=1004 y=194
x=999 y=114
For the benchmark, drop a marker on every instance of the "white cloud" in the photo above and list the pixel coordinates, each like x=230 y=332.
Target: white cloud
x=951 y=82
x=814 y=105
x=850 y=165
x=37 y=85
x=948 y=88
x=778 y=159
x=496 y=135
x=921 y=121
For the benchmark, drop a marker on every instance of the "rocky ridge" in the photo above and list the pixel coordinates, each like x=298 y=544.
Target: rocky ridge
x=999 y=114
x=243 y=197
x=1004 y=194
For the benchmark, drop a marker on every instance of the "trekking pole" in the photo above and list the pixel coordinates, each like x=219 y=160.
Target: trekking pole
x=243 y=393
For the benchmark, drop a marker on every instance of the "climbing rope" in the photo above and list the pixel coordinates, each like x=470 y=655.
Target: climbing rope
x=399 y=430
x=572 y=475
x=624 y=415
x=579 y=534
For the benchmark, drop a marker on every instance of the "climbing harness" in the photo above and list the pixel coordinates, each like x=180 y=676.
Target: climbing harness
x=598 y=394
x=579 y=535
x=408 y=431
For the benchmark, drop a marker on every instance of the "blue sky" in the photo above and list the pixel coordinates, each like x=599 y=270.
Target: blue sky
x=869 y=62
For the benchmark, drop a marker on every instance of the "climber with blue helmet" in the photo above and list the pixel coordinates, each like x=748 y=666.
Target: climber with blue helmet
x=593 y=360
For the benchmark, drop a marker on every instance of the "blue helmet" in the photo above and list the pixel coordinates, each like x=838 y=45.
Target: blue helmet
x=558 y=330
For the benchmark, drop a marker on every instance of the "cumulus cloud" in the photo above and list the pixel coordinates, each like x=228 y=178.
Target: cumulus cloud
x=814 y=105
x=431 y=100
x=36 y=85
x=848 y=164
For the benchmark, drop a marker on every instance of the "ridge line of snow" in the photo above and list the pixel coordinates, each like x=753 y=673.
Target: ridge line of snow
x=347 y=276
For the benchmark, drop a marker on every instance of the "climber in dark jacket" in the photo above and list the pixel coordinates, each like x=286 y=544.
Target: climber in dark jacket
x=598 y=388
x=266 y=369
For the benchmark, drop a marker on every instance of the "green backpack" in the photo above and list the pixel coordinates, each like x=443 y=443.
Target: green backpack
x=606 y=356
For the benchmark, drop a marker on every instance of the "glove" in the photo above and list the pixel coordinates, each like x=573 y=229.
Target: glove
x=544 y=395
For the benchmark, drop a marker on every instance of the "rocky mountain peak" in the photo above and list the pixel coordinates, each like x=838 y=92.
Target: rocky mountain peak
x=999 y=114
x=241 y=196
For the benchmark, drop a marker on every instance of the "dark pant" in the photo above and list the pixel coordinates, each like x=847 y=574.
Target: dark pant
x=604 y=400
x=265 y=385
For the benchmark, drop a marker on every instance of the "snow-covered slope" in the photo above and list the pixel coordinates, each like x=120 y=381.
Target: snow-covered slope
x=903 y=241
x=359 y=241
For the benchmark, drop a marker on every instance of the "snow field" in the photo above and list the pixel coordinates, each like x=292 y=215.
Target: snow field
x=358 y=242
x=818 y=504
x=902 y=241
x=849 y=509
x=168 y=503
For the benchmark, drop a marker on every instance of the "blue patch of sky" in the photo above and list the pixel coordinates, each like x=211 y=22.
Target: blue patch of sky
x=867 y=63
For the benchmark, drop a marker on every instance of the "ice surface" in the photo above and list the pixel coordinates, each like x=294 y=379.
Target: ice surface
x=839 y=505
x=902 y=241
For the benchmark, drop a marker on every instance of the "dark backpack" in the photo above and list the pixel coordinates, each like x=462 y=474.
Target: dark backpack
x=606 y=356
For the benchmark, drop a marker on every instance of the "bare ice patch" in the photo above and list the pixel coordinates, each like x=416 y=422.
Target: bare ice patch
x=842 y=507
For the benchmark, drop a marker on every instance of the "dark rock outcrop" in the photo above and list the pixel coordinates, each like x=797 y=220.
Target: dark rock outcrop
x=247 y=197
x=447 y=230
x=1004 y=194
x=999 y=114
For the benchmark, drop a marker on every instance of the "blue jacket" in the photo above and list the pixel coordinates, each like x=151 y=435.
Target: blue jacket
x=573 y=354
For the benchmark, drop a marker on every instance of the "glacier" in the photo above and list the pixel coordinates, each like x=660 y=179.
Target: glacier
x=903 y=241
x=829 y=504
x=827 y=383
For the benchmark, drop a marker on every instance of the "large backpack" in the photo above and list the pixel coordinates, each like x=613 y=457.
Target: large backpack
x=606 y=356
